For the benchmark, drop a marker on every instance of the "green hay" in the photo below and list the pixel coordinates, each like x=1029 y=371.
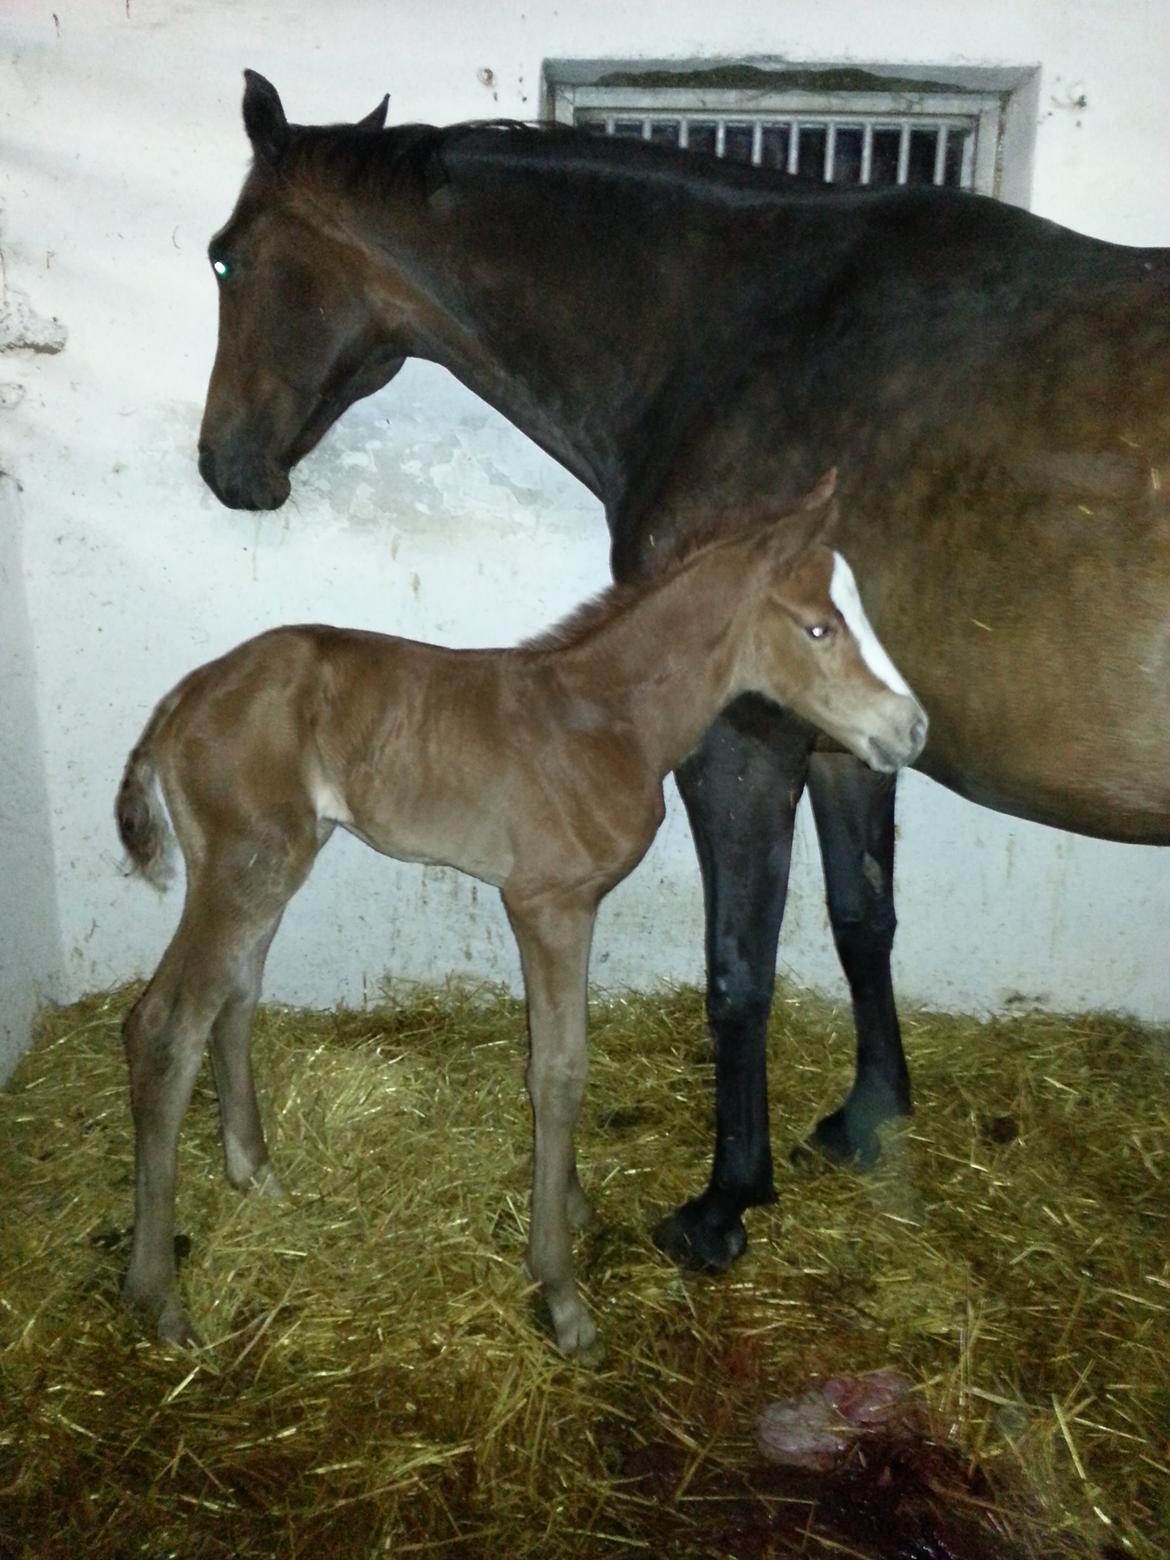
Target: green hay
x=378 y=1378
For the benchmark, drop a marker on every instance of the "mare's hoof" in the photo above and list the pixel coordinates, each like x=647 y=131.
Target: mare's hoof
x=692 y=1239
x=833 y=1139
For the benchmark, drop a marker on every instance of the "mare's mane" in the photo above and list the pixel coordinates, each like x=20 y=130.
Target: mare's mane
x=428 y=157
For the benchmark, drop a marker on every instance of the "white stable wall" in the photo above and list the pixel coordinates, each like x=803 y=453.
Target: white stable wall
x=121 y=150
x=31 y=964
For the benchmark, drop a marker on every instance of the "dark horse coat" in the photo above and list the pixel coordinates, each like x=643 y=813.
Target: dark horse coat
x=688 y=338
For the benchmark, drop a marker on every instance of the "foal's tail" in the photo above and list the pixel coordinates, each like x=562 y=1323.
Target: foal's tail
x=140 y=812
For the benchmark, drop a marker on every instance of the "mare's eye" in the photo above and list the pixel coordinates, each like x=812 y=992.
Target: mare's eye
x=819 y=630
x=222 y=269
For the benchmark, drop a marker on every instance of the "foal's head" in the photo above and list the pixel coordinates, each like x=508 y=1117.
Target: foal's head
x=298 y=339
x=811 y=647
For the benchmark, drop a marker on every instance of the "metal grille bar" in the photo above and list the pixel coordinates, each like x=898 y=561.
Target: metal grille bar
x=946 y=158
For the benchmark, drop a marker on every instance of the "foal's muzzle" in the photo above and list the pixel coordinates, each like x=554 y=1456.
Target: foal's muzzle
x=894 y=752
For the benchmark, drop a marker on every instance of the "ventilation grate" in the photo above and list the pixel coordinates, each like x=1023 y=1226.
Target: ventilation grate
x=840 y=149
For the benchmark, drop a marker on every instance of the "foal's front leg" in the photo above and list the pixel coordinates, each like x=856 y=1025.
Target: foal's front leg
x=554 y=938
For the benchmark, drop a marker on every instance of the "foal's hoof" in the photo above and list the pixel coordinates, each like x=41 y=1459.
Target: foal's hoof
x=691 y=1238
x=833 y=1139
x=171 y=1322
x=264 y=1183
x=576 y=1334
x=174 y=1326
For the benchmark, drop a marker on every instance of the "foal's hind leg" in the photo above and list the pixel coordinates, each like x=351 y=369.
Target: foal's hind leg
x=211 y=968
x=854 y=810
x=741 y=789
x=245 y=1150
x=554 y=939
x=244 y=1147
x=163 y=1035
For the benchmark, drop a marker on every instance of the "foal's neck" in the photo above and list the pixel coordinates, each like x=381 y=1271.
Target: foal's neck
x=672 y=660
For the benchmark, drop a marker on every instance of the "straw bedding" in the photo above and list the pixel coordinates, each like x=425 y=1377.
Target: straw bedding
x=377 y=1378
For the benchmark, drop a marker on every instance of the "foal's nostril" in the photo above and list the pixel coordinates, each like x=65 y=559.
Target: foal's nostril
x=918 y=733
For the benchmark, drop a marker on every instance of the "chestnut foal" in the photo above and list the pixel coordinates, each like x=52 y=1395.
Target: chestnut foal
x=538 y=769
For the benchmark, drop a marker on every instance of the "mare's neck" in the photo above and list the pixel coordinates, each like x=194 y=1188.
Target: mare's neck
x=548 y=294
x=668 y=664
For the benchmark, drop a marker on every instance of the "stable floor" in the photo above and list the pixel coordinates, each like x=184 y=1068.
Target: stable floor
x=377 y=1377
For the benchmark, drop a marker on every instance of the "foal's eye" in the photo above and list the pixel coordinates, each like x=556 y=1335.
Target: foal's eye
x=819 y=630
x=222 y=269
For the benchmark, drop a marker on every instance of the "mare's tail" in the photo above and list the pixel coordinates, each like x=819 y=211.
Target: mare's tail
x=140 y=812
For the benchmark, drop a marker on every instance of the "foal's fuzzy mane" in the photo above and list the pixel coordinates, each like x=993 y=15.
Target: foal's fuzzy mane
x=667 y=563
x=586 y=618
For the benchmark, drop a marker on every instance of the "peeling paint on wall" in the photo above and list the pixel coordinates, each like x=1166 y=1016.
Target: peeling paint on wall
x=22 y=329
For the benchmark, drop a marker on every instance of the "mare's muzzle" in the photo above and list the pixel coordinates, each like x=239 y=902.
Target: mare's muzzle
x=241 y=482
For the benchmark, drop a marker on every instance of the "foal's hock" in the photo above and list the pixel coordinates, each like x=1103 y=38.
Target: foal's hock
x=537 y=769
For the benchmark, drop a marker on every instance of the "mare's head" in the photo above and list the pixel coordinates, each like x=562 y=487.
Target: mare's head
x=300 y=337
x=811 y=647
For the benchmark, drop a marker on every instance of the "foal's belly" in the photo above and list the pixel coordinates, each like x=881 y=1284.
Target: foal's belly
x=477 y=847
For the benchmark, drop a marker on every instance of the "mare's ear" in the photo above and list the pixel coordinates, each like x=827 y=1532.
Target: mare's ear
x=376 y=118
x=264 y=119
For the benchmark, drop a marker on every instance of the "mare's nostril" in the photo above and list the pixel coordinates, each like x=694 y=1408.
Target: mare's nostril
x=918 y=732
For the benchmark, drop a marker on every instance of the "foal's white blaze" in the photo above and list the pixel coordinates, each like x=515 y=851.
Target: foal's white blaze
x=844 y=594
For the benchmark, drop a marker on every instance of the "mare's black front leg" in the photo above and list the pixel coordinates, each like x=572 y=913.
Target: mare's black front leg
x=740 y=788
x=854 y=811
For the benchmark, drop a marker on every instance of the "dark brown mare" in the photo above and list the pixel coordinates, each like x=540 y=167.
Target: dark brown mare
x=538 y=770
x=687 y=337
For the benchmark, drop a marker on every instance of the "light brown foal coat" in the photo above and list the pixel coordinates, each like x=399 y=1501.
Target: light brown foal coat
x=537 y=769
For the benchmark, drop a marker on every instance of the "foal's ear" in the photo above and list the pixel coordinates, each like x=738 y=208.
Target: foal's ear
x=809 y=522
x=264 y=119
x=376 y=118
x=822 y=493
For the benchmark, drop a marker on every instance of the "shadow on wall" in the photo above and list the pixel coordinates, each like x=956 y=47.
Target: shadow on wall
x=31 y=963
